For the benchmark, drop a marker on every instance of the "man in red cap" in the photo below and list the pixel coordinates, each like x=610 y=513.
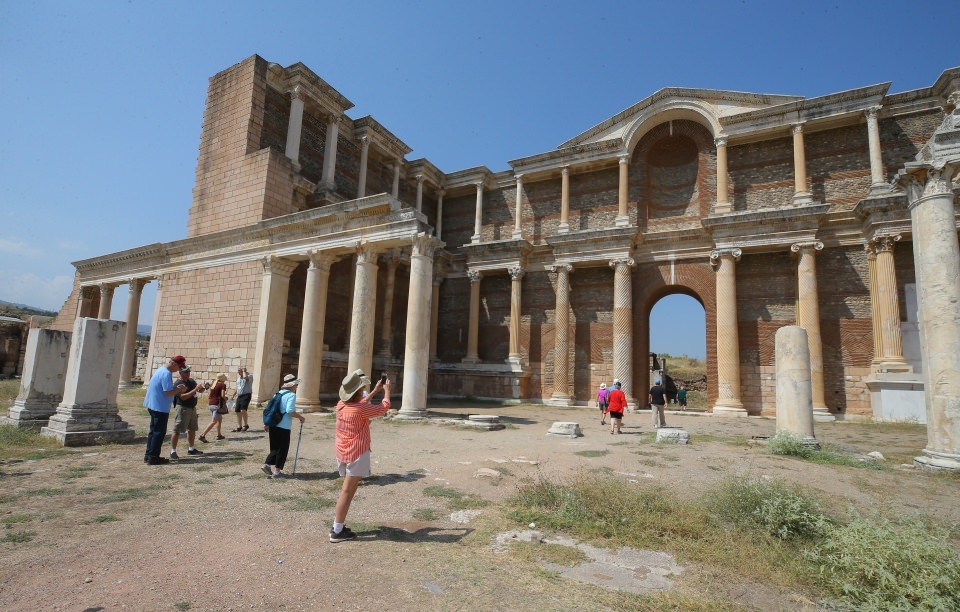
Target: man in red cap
x=158 y=401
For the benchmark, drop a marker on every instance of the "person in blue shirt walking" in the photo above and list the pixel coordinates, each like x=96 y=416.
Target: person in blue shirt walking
x=158 y=401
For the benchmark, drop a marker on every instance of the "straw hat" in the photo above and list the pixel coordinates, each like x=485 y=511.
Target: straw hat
x=353 y=383
x=603 y=385
x=290 y=381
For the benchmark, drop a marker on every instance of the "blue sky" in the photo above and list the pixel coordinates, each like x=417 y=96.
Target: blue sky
x=102 y=101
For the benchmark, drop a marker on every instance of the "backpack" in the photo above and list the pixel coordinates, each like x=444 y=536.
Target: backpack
x=273 y=412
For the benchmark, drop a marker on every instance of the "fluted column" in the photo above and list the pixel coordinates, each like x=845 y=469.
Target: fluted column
x=438 y=277
x=891 y=345
x=623 y=218
x=396 y=179
x=310 y=366
x=416 y=353
x=564 y=226
x=876 y=158
x=478 y=214
x=330 y=152
x=386 y=327
x=723 y=195
x=514 y=356
x=419 y=178
x=808 y=317
x=439 y=228
x=270 y=323
x=295 y=125
x=129 y=357
x=364 y=157
x=154 y=323
x=364 y=303
x=106 y=301
x=473 y=326
x=561 y=346
x=623 y=326
x=517 y=228
x=801 y=191
x=728 y=333
x=936 y=255
x=874 y=306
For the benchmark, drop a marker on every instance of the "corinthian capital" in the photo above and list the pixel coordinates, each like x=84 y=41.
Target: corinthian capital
x=474 y=275
x=321 y=260
x=366 y=253
x=732 y=252
x=516 y=272
x=425 y=245
x=620 y=263
x=797 y=128
x=884 y=243
x=816 y=245
x=720 y=141
x=278 y=265
x=872 y=112
x=297 y=93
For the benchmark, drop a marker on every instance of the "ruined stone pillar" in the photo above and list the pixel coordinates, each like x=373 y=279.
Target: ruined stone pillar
x=44 y=376
x=801 y=191
x=439 y=229
x=794 y=390
x=87 y=301
x=396 y=183
x=723 y=196
x=936 y=254
x=473 y=327
x=561 y=346
x=623 y=326
x=330 y=153
x=364 y=156
x=270 y=323
x=517 y=228
x=564 y=226
x=516 y=275
x=623 y=218
x=808 y=317
x=130 y=340
x=728 y=334
x=386 y=326
x=416 y=353
x=888 y=307
x=106 y=301
x=309 y=368
x=364 y=303
x=419 y=178
x=295 y=125
x=478 y=214
x=876 y=159
x=435 y=312
x=152 y=350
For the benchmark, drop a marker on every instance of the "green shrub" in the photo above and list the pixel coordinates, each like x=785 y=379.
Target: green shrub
x=772 y=506
x=790 y=444
x=875 y=564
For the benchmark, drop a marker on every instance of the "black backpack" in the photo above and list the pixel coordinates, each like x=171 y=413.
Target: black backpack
x=273 y=412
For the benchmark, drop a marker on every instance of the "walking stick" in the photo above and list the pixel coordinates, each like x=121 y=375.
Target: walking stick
x=296 y=455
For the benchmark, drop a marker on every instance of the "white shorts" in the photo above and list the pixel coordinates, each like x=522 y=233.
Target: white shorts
x=358 y=469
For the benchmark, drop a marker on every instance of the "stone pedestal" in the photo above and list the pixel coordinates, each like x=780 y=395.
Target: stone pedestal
x=488 y=422
x=897 y=397
x=88 y=413
x=673 y=435
x=565 y=429
x=44 y=377
x=794 y=386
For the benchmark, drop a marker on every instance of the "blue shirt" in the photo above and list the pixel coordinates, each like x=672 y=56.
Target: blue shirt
x=288 y=401
x=155 y=399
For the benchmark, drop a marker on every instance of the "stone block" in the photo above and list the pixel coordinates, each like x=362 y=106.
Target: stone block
x=565 y=429
x=489 y=422
x=88 y=413
x=673 y=435
x=44 y=377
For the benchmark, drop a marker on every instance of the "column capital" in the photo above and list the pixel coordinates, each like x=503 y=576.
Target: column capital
x=441 y=192
x=439 y=273
x=622 y=262
x=297 y=93
x=419 y=178
x=797 y=128
x=321 y=260
x=884 y=243
x=479 y=186
x=425 y=245
x=923 y=179
x=107 y=286
x=475 y=276
x=872 y=112
x=519 y=177
x=816 y=245
x=333 y=119
x=565 y=170
x=137 y=284
x=516 y=272
x=364 y=141
x=367 y=253
x=720 y=141
x=561 y=267
x=624 y=159
x=733 y=253
x=278 y=265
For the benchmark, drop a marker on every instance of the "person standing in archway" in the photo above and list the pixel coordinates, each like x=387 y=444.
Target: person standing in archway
x=658 y=400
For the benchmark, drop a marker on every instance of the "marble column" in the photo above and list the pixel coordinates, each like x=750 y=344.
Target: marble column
x=396 y=180
x=561 y=347
x=723 y=189
x=270 y=323
x=890 y=351
x=623 y=191
x=106 y=301
x=364 y=157
x=876 y=158
x=517 y=227
x=801 y=193
x=936 y=255
x=514 y=357
x=808 y=317
x=438 y=276
x=623 y=326
x=564 y=226
x=130 y=340
x=728 y=333
x=416 y=353
x=794 y=395
x=154 y=326
x=364 y=303
x=386 y=326
x=327 y=179
x=295 y=125
x=419 y=178
x=309 y=368
x=439 y=229
x=874 y=306
x=478 y=214
x=473 y=327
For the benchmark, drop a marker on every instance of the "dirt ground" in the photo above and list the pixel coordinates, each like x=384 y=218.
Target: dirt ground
x=212 y=533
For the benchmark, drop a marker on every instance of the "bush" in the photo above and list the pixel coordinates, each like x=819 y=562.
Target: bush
x=771 y=506
x=790 y=444
x=875 y=564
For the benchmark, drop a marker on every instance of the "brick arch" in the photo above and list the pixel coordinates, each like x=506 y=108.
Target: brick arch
x=651 y=283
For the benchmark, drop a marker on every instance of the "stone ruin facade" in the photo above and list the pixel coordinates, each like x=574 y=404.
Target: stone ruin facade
x=315 y=246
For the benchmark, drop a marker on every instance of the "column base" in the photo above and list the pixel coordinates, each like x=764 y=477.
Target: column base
x=622 y=221
x=802 y=199
x=308 y=407
x=563 y=228
x=822 y=415
x=892 y=366
x=730 y=410
x=411 y=415
x=470 y=360
x=516 y=363
x=564 y=401
x=880 y=188
x=126 y=384
x=722 y=208
x=934 y=460
x=517 y=235
x=475 y=239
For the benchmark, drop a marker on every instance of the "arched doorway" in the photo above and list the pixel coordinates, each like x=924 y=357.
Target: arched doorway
x=677 y=331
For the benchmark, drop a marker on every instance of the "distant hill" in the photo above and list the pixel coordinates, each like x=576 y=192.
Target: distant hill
x=11 y=309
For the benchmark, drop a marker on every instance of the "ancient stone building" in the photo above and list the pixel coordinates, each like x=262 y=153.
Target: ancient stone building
x=315 y=246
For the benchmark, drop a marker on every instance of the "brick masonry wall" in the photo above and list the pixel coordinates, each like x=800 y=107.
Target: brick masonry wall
x=452 y=326
x=761 y=174
x=901 y=138
x=838 y=165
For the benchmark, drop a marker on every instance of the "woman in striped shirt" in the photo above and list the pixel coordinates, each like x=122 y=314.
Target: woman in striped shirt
x=354 y=412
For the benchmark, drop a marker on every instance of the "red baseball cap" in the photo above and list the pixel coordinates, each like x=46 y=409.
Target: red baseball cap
x=180 y=360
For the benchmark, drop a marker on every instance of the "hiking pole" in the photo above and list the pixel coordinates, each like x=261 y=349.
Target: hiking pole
x=296 y=455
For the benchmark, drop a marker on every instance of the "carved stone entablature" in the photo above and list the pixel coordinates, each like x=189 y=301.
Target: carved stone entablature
x=732 y=252
x=466 y=181
x=315 y=91
x=423 y=170
x=383 y=140
x=580 y=158
x=766 y=230
x=496 y=255
x=593 y=247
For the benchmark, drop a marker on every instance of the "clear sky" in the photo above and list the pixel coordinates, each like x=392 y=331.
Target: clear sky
x=101 y=102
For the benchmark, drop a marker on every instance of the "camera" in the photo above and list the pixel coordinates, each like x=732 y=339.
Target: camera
x=383 y=378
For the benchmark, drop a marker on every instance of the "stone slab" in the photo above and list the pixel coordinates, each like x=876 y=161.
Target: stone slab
x=44 y=379
x=673 y=435
x=565 y=429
